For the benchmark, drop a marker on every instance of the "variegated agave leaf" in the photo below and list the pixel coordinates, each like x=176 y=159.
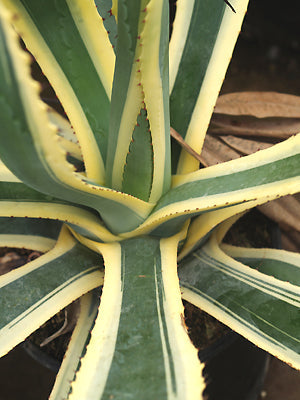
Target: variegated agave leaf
x=120 y=217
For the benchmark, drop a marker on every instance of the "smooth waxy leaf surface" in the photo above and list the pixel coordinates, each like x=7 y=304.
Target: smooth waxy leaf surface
x=280 y=264
x=45 y=286
x=269 y=173
x=260 y=307
x=38 y=159
x=141 y=85
x=67 y=48
x=134 y=342
x=204 y=34
x=88 y=309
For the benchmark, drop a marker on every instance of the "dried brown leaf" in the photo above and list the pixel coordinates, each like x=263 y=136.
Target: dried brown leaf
x=259 y=104
x=216 y=151
x=285 y=211
x=291 y=241
x=175 y=135
x=244 y=146
x=273 y=129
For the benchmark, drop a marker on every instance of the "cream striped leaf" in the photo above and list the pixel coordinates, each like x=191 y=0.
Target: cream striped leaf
x=259 y=177
x=19 y=201
x=204 y=34
x=141 y=83
x=48 y=171
x=258 y=306
x=134 y=343
x=29 y=233
x=43 y=287
x=83 y=87
x=280 y=264
x=88 y=310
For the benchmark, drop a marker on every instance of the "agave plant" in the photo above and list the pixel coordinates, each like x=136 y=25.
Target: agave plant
x=111 y=201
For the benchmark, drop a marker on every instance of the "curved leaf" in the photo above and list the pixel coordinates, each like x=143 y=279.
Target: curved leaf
x=38 y=158
x=29 y=233
x=44 y=287
x=280 y=264
x=267 y=174
x=67 y=48
x=18 y=200
x=89 y=304
x=262 y=308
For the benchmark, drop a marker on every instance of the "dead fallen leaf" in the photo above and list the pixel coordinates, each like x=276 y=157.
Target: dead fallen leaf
x=244 y=123
x=175 y=135
x=259 y=104
x=285 y=211
x=216 y=151
x=244 y=146
x=272 y=128
x=291 y=241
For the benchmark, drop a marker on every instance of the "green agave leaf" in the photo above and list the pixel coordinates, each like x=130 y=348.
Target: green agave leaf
x=262 y=308
x=204 y=35
x=260 y=176
x=64 y=38
x=104 y=8
x=89 y=304
x=38 y=158
x=138 y=174
x=20 y=201
x=141 y=83
x=6 y=175
x=45 y=286
x=29 y=233
x=139 y=349
x=280 y=264
x=237 y=179
x=203 y=225
x=67 y=139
